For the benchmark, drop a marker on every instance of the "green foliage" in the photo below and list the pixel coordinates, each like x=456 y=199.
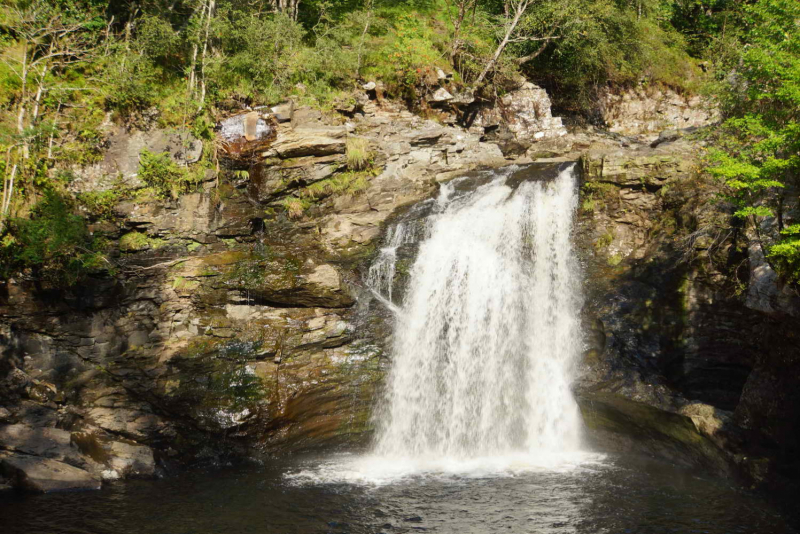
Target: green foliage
x=167 y=178
x=100 y=204
x=295 y=207
x=786 y=253
x=53 y=244
x=757 y=152
x=599 y=42
x=133 y=242
x=347 y=183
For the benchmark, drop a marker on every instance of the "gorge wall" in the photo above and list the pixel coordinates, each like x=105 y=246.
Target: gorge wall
x=235 y=321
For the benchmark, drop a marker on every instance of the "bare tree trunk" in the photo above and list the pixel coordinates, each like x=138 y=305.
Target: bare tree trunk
x=209 y=14
x=195 y=50
x=464 y=7
x=8 y=191
x=369 y=4
x=22 y=96
x=510 y=29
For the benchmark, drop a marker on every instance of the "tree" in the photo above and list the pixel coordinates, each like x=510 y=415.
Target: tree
x=758 y=154
x=290 y=8
x=49 y=40
x=514 y=11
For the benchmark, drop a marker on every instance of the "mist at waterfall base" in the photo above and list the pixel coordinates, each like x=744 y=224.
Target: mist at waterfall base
x=477 y=432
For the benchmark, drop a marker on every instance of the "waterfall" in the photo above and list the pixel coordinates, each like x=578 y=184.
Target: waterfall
x=380 y=277
x=488 y=334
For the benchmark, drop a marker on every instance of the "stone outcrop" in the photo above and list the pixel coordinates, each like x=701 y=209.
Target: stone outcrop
x=120 y=164
x=680 y=363
x=651 y=110
x=232 y=324
x=45 y=476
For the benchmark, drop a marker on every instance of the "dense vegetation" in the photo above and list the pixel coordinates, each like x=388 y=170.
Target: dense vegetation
x=69 y=66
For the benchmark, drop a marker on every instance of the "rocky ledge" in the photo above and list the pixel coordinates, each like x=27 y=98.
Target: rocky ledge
x=231 y=322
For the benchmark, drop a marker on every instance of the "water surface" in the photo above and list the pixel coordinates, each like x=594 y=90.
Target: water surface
x=611 y=495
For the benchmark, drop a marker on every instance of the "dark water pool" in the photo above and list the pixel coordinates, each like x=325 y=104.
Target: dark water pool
x=616 y=495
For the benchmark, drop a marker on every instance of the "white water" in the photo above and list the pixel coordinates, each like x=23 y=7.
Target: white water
x=485 y=342
x=489 y=333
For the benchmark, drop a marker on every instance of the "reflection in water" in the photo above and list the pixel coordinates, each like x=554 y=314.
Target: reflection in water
x=609 y=496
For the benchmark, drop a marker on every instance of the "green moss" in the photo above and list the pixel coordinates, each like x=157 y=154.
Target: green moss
x=136 y=241
x=295 y=207
x=347 y=183
x=614 y=260
x=604 y=241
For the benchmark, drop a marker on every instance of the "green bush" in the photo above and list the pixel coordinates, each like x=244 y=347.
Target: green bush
x=54 y=244
x=164 y=176
x=100 y=204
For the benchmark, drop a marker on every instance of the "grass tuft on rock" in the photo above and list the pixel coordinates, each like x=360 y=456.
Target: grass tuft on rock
x=357 y=153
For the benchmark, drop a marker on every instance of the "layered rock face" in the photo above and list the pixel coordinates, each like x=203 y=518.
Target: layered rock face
x=682 y=361
x=651 y=110
x=233 y=323
x=236 y=321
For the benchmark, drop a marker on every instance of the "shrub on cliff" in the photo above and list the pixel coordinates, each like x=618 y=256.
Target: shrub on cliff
x=52 y=245
x=166 y=178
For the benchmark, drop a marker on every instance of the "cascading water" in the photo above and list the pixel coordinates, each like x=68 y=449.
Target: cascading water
x=486 y=340
x=486 y=337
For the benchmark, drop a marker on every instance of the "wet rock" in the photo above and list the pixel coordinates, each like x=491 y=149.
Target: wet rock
x=44 y=475
x=246 y=134
x=620 y=423
x=131 y=460
x=39 y=441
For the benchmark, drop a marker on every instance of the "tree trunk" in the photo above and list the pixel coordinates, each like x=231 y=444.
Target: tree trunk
x=195 y=50
x=369 y=4
x=8 y=191
x=209 y=14
x=521 y=7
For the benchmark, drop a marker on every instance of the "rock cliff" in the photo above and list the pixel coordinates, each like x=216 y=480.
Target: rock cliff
x=234 y=319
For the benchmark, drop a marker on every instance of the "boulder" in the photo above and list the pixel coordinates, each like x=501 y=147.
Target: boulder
x=307 y=141
x=48 y=442
x=283 y=112
x=43 y=475
x=527 y=114
x=440 y=95
x=130 y=460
